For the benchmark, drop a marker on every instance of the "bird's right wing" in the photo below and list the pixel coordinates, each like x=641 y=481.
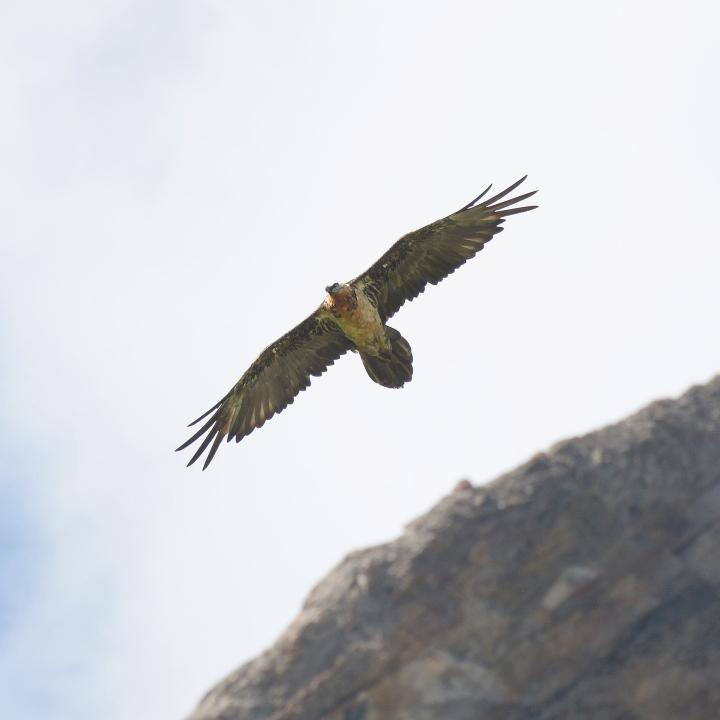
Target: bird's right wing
x=271 y=383
x=431 y=253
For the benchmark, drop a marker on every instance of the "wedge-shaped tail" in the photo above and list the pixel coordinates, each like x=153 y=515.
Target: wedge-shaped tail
x=395 y=371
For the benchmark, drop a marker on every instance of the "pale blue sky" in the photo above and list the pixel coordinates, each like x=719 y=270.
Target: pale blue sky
x=179 y=182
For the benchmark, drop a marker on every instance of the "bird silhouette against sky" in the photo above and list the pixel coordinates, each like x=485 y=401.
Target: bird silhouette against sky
x=353 y=316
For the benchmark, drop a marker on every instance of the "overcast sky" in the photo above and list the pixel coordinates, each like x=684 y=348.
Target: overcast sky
x=178 y=183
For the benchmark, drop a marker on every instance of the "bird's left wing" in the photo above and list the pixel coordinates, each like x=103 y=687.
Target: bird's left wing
x=431 y=253
x=271 y=383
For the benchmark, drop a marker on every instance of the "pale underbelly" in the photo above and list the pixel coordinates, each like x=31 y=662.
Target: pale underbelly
x=367 y=333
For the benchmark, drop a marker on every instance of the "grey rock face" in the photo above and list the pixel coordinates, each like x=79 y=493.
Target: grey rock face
x=583 y=585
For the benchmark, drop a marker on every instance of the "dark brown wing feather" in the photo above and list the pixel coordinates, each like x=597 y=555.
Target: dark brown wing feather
x=271 y=383
x=430 y=254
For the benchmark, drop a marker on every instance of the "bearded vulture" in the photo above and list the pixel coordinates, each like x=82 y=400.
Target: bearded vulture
x=353 y=316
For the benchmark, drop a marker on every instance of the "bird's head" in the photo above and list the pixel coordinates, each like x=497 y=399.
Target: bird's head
x=341 y=297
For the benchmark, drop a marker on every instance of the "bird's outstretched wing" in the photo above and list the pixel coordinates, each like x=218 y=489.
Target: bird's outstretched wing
x=430 y=254
x=271 y=383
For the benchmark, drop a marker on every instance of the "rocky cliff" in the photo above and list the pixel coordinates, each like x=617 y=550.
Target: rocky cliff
x=584 y=584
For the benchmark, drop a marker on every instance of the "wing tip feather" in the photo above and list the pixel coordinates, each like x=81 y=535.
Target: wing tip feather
x=488 y=203
x=207 y=412
x=213 y=449
x=515 y=211
x=479 y=197
x=499 y=196
x=197 y=434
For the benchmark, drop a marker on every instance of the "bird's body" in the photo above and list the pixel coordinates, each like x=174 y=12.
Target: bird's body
x=353 y=316
x=358 y=319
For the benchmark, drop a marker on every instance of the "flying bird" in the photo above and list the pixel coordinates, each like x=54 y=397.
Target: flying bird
x=353 y=316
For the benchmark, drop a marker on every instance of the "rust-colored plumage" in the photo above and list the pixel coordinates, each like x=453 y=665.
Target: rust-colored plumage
x=353 y=316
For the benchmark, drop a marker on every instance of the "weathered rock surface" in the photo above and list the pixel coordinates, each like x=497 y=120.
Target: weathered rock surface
x=584 y=585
